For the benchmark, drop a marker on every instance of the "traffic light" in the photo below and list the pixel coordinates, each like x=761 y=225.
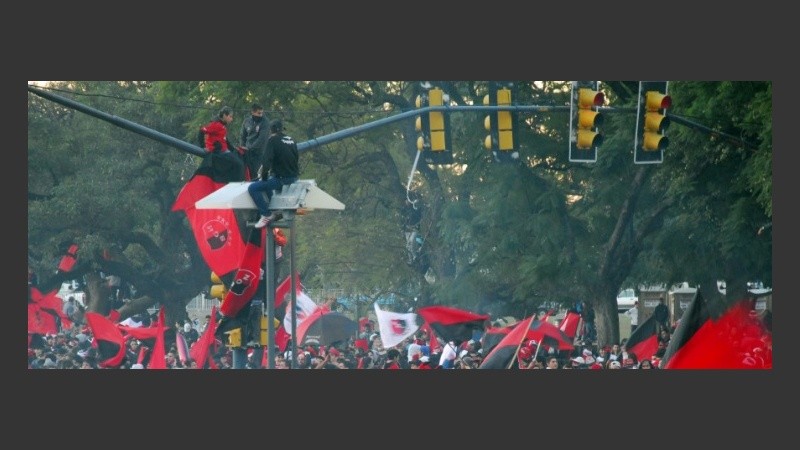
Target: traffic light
x=434 y=126
x=651 y=122
x=500 y=124
x=584 y=121
x=234 y=337
x=218 y=288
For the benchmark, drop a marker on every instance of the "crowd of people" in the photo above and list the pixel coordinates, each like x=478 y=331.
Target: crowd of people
x=73 y=349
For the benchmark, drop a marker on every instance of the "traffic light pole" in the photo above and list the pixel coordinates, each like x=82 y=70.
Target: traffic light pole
x=269 y=304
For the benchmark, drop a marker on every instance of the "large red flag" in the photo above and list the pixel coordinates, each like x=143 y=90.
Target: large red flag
x=215 y=230
x=41 y=321
x=735 y=340
x=245 y=282
x=50 y=304
x=69 y=259
x=157 y=360
x=199 y=351
x=643 y=342
x=108 y=340
x=453 y=324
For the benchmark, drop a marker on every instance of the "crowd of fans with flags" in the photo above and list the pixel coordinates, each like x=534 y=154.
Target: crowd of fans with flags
x=433 y=337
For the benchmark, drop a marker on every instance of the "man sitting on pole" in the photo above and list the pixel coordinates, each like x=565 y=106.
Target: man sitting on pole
x=280 y=166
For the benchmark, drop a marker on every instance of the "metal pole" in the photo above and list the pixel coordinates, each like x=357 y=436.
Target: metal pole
x=122 y=123
x=239 y=357
x=269 y=274
x=293 y=288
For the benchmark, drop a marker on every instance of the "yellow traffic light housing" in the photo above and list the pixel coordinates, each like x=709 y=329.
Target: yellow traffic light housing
x=500 y=124
x=651 y=122
x=218 y=288
x=585 y=121
x=234 y=337
x=433 y=126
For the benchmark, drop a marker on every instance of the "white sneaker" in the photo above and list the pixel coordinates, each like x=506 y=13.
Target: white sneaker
x=263 y=221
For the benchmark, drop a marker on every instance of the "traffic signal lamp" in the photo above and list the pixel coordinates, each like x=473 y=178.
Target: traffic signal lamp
x=585 y=121
x=218 y=289
x=234 y=337
x=500 y=124
x=651 y=122
x=433 y=126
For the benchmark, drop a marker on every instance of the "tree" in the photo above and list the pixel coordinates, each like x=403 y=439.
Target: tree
x=504 y=238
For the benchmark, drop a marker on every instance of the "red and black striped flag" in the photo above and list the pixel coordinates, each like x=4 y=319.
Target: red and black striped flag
x=643 y=342
x=494 y=336
x=453 y=324
x=694 y=318
x=504 y=353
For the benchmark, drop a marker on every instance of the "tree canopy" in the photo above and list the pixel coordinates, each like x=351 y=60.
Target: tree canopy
x=502 y=238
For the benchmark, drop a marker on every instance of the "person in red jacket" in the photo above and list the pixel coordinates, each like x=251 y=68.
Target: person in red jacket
x=213 y=137
x=215 y=133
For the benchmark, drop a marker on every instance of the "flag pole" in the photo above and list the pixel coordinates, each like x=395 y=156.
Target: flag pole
x=520 y=344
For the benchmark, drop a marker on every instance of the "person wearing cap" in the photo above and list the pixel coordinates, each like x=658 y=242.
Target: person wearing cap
x=614 y=364
x=280 y=166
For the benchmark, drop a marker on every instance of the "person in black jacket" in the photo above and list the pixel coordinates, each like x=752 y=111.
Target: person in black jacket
x=661 y=314
x=280 y=166
x=255 y=131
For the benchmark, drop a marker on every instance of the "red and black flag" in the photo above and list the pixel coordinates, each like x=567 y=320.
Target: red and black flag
x=108 y=340
x=549 y=335
x=69 y=259
x=493 y=336
x=214 y=172
x=643 y=342
x=504 y=353
x=453 y=324
x=692 y=320
x=735 y=340
x=245 y=282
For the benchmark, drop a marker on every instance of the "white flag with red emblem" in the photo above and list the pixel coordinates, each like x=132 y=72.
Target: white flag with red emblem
x=395 y=327
x=305 y=306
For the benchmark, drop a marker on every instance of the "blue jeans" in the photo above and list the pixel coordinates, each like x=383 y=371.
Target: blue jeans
x=268 y=186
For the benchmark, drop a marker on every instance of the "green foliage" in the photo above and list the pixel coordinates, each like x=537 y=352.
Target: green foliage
x=507 y=237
